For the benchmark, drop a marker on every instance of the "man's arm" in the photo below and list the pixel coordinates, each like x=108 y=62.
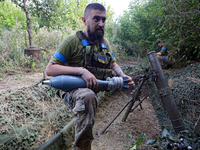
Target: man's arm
x=159 y=53
x=56 y=69
x=116 y=68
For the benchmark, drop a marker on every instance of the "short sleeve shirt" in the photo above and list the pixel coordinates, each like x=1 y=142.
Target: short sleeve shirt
x=70 y=51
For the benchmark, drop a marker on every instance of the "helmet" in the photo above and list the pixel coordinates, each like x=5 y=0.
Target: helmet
x=159 y=41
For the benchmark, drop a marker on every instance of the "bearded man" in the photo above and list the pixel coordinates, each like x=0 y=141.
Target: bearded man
x=87 y=54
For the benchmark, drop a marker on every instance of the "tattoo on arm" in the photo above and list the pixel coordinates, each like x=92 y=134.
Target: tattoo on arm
x=118 y=71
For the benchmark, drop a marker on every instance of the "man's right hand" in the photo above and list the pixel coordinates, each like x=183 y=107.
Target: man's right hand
x=90 y=79
x=159 y=53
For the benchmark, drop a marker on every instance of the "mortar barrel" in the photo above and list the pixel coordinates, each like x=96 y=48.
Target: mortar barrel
x=166 y=94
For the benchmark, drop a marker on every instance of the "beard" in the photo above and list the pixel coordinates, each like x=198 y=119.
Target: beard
x=96 y=36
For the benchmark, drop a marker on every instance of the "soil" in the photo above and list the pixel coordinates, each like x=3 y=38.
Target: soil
x=141 y=123
x=121 y=135
x=14 y=80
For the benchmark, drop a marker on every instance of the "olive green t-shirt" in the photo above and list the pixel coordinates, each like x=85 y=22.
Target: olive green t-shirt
x=166 y=49
x=70 y=51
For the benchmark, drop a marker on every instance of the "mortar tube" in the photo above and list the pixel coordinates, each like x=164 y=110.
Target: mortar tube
x=166 y=94
x=48 y=144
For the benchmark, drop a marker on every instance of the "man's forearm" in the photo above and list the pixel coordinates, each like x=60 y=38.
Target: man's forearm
x=118 y=71
x=55 y=69
x=159 y=53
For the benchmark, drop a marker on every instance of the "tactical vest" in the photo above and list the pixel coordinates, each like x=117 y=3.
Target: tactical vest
x=98 y=63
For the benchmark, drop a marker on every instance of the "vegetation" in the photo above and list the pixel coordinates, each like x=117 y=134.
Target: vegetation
x=133 y=34
x=8 y=17
x=176 y=21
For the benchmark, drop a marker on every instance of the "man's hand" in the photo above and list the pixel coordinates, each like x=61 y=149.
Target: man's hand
x=159 y=53
x=131 y=83
x=120 y=73
x=90 y=79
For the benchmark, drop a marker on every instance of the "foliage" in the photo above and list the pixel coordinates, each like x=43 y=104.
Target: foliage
x=137 y=143
x=176 y=21
x=48 y=13
x=135 y=31
x=59 y=13
x=10 y=15
x=12 y=45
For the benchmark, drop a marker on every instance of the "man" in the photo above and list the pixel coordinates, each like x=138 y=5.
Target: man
x=165 y=56
x=87 y=54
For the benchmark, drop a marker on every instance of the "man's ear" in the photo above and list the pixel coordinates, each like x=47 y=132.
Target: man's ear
x=84 y=20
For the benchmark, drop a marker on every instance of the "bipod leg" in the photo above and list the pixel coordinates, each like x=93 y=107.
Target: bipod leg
x=114 y=118
x=136 y=95
x=128 y=110
x=140 y=102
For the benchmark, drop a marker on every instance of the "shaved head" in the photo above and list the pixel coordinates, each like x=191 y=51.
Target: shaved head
x=91 y=6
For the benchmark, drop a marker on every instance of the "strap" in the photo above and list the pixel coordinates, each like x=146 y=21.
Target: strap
x=68 y=100
x=103 y=46
x=81 y=35
x=83 y=38
x=85 y=42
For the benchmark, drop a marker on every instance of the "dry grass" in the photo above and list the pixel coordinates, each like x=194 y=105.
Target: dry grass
x=34 y=110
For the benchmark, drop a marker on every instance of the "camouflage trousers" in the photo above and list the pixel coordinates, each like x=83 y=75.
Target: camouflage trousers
x=84 y=102
x=166 y=60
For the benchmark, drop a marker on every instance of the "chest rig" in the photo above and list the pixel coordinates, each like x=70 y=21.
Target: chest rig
x=98 y=63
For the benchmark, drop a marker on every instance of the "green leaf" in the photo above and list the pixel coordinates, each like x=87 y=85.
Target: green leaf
x=134 y=147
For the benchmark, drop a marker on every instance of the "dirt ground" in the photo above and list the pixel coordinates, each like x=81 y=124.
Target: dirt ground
x=117 y=136
x=16 y=81
x=120 y=135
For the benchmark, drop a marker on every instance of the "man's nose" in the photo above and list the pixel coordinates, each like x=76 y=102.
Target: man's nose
x=101 y=23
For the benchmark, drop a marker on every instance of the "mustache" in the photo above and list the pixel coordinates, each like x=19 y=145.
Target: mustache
x=99 y=28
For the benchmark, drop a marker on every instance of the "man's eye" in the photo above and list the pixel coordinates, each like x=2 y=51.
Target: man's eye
x=96 y=19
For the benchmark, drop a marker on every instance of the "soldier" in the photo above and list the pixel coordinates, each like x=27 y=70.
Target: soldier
x=165 y=56
x=87 y=54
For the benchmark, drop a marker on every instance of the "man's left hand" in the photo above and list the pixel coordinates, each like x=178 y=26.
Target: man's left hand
x=131 y=83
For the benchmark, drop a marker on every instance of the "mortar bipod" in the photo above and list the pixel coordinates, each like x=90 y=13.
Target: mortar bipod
x=130 y=100
x=136 y=95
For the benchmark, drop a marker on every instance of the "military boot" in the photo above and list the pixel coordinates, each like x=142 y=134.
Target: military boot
x=84 y=145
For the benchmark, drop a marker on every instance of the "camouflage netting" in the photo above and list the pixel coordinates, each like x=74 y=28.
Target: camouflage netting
x=31 y=116
x=185 y=85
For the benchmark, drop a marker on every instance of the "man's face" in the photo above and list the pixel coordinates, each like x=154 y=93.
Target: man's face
x=95 y=24
x=160 y=44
